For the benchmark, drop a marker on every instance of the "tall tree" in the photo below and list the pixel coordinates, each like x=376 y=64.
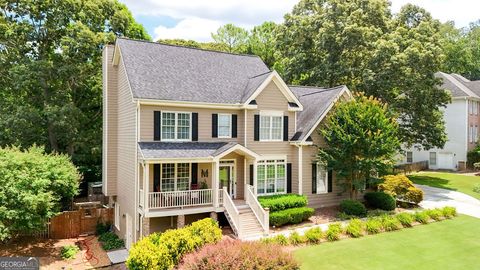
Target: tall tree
x=361 y=138
x=50 y=72
x=234 y=37
x=362 y=45
x=261 y=42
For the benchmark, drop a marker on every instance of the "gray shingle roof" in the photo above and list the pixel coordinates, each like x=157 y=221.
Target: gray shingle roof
x=168 y=72
x=153 y=150
x=458 y=85
x=315 y=102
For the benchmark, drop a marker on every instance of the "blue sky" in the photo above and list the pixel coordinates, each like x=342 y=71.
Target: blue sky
x=196 y=19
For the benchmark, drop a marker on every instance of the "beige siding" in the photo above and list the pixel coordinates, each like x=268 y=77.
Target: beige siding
x=110 y=113
x=268 y=100
x=318 y=200
x=204 y=122
x=127 y=147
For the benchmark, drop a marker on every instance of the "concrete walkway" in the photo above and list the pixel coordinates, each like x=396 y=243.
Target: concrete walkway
x=439 y=197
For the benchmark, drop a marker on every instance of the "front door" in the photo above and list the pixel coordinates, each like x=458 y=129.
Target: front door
x=227 y=178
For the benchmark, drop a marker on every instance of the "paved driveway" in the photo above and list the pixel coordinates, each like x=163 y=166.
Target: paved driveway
x=439 y=197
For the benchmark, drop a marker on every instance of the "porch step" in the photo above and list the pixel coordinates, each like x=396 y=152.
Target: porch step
x=249 y=224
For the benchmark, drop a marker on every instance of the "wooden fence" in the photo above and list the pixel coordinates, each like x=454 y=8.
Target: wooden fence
x=71 y=224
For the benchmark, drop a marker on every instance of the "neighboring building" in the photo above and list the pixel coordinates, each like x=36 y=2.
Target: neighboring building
x=190 y=133
x=462 y=123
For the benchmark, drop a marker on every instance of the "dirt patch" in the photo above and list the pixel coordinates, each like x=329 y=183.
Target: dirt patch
x=91 y=254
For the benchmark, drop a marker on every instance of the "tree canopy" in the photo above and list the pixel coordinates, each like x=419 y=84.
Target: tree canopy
x=51 y=75
x=362 y=45
x=33 y=186
x=361 y=137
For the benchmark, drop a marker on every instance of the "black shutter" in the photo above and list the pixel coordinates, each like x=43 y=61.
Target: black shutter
x=314 y=178
x=285 y=128
x=330 y=180
x=157 y=125
x=194 y=126
x=289 y=177
x=214 y=125
x=256 y=127
x=156 y=177
x=234 y=126
x=251 y=175
x=194 y=170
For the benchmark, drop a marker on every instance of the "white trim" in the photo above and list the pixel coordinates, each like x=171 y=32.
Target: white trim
x=179 y=160
x=176 y=127
x=191 y=104
x=136 y=185
x=300 y=170
x=282 y=86
x=271 y=115
x=233 y=171
x=105 y=125
x=275 y=163
x=229 y=115
x=116 y=218
x=235 y=148
x=344 y=91
x=245 y=115
x=325 y=180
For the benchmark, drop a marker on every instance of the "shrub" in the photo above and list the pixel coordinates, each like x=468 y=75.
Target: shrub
x=110 y=240
x=401 y=188
x=290 y=216
x=296 y=239
x=435 y=214
x=164 y=251
x=280 y=239
x=379 y=212
x=421 y=217
x=343 y=216
x=314 y=235
x=353 y=207
x=380 y=200
x=406 y=219
x=235 y=254
x=476 y=188
x=333 y=232
x=390 y=223
x=69 y=252
x=102 y=228
x=281 y=202
x=373 y=225
x=355 y=228
x=449 y=212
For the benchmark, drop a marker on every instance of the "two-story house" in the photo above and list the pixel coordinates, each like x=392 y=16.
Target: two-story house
x=189 y=133
x=462 y=123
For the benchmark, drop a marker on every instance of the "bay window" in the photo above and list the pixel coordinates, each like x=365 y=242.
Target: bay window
x=175 y=176
x=176 y=126
x=271 y=176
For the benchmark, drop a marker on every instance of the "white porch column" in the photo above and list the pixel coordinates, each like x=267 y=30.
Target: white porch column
x=300 y=169
x=215 y=182
x=146 y=187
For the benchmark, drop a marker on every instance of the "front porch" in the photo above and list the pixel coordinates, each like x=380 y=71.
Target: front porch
x=192 y=184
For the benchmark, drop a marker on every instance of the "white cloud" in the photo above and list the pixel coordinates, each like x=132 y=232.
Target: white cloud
x=191 y=28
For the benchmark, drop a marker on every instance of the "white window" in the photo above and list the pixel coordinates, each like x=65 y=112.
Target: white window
x=271 y=176
x=117 y=216
x=175 y=176
x=271 y=128
x=433 y=158
x=409 y=157
x=322 y=179
x=224 y=125
x=176 y=126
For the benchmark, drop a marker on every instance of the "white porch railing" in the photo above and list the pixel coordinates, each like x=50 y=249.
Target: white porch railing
x=169 y=199
x=231 y=212
x=261 y=213
x=141 y=197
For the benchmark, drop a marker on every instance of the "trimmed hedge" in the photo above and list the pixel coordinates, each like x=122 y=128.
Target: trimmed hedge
x=284 y=201
x=380 y=200
x=353 y=207
x=401 y=188
x=290 y=216
x=164 y=251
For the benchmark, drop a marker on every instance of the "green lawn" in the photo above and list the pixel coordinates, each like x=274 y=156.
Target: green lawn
x=450 y=244
x=452 y=181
